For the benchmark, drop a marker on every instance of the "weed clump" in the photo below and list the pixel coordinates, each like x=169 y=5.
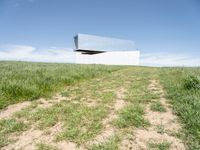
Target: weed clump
x=192 y=82
x=157 y=106
x=131 y=116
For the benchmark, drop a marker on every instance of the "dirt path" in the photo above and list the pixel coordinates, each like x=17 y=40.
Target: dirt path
x=41 y=103
x=31 y=137
x=163 y=125
x=109 y=130
x=162 y=130
x=10 y=110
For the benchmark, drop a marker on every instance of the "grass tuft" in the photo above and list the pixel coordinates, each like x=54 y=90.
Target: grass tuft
x=192 y=82
x=185 y=101
x=157 y=106
x=111 y=144
x=159 y=146
x=132 y=115
x=42 y=146
x=7 y=127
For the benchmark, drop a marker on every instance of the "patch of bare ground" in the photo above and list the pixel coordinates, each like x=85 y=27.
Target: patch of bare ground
x=29 y=139
x=109 y=130
x=41 y=103
x=45 y=103
x=88 y=102
x=167 y=121
x=10 y=110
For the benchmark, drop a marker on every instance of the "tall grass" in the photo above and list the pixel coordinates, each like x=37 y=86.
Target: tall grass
x=182 y=87
x=20 y=81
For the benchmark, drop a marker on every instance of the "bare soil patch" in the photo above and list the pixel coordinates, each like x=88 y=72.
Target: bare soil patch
x=142 y=137
x=109 y=130
x=10 y=110
x=29 y=139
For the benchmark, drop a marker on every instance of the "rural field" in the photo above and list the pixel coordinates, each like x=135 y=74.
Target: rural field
x=49 y=106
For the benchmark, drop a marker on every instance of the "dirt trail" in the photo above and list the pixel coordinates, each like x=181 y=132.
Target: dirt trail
x=28 y=139
x=109 y=130
x=163 y=125
x=41 y=103
x=10 y=110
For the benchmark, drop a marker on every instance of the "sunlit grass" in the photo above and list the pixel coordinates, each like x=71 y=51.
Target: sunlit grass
x=182 y=88
x=157 y=106
x=159 y=146
x=111 y=144
x=81 y=121
x=131 y=116
x=42 y=146
x=20 y=81
x=7 y=127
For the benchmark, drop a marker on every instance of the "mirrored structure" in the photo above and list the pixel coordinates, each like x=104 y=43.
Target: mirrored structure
x=92 y=49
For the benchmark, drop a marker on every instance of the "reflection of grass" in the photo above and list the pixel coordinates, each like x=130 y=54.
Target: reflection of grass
x=157 y=106
x=7 y=127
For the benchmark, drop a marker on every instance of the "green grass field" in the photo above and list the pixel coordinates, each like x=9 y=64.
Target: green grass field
x=182 y=86
x=113 y=102
x=21 y=81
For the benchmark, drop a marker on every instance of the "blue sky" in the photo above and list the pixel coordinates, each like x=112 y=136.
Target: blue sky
x=167 y=32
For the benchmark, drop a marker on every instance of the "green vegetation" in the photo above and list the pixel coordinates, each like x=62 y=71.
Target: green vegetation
x=7 y=127
x=137 y=95
x=159 y=146
x=131 y=116
x=108 y=97
x=81 y=123
x=111 y=144
x=91 y=102
x=181 y=86
x=20 y=81
x=42 y=146
x=157 y=106
x=192 y=82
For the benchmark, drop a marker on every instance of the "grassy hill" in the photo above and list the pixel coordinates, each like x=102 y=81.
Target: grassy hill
x=21 y=81
x=98 y=107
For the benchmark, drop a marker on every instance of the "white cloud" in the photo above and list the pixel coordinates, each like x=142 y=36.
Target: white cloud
x=29 y=53
x=169 y=59
x=54 y=54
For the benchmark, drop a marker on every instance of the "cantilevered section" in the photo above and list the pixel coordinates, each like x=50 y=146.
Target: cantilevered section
x=89 y=52
x=90 y=49
x=91 y=44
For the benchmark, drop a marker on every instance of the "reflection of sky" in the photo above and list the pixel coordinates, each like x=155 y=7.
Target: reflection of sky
x=91 y=42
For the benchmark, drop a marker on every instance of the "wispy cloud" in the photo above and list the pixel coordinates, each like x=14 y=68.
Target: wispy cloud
x=29 y=53
x=54 y=54
x=169 y=59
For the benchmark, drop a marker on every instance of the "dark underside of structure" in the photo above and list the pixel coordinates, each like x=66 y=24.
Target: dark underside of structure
x=89 y=52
